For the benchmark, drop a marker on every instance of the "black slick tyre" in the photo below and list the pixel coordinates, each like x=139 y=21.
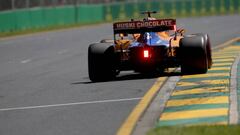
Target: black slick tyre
x=101 y=59
x=208 y=48
x=193 y=53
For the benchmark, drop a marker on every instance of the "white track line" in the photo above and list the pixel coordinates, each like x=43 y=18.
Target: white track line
x=26 y=61
x=68 y=104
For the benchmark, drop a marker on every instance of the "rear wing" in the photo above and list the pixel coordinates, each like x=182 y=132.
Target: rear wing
x=144 y=26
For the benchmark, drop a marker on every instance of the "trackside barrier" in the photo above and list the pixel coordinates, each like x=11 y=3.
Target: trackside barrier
x=90 y=13
x=172 y=8
x=37 y=18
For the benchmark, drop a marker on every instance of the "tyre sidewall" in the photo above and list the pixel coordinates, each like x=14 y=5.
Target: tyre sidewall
x=193 y=53
x=101 y=59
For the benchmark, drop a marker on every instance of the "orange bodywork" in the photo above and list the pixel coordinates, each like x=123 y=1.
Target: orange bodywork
x=165 y=36
x=123 y=44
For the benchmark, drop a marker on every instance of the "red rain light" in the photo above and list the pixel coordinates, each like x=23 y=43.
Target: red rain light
x=145 y=53
x=175 y=28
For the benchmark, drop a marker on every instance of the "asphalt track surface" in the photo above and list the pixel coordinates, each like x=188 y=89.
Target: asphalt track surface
x=44 y=85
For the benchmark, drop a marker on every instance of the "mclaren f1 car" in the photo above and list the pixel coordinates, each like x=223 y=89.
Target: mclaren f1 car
x=147 y=46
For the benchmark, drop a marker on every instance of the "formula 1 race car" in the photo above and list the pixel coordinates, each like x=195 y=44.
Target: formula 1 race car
x=147 y=46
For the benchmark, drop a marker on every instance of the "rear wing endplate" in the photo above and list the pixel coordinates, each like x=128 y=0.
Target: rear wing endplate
x=144 y=26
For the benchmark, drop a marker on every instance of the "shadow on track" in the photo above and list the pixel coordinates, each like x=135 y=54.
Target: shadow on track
x=134 y=76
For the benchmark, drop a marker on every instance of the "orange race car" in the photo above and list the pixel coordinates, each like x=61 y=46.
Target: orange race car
x=148 y=46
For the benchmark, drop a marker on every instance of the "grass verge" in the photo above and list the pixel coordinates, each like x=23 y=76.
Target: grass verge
x=197 y=130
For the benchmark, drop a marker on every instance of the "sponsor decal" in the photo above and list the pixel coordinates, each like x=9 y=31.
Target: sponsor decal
x=144 y=24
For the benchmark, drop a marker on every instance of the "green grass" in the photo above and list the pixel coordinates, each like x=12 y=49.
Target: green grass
x=45 y=29
x=197 y=130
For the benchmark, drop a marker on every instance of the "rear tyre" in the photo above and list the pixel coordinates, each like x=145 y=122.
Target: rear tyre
x=101 y=62
x=208 y=48
x=193 y=53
